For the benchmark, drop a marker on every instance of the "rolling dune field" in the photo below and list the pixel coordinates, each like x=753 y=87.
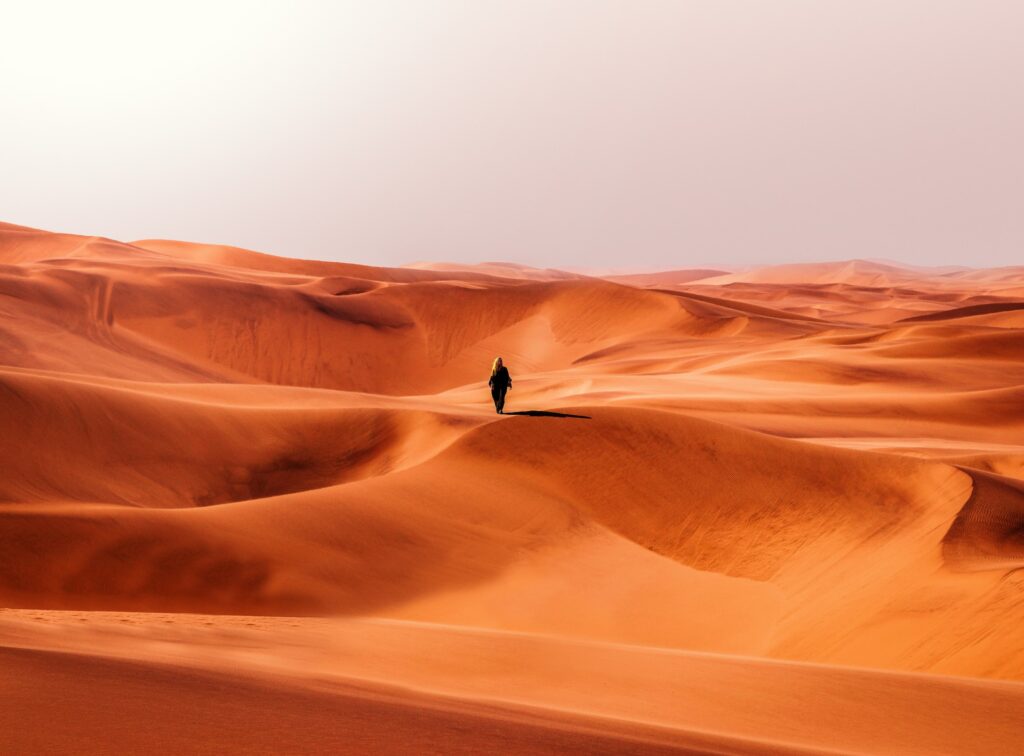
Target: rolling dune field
x=259 y=503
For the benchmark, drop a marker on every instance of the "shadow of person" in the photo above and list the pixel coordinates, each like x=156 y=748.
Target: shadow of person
x=546 y=413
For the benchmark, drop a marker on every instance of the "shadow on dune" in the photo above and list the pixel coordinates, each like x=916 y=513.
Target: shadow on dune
x=545 y=413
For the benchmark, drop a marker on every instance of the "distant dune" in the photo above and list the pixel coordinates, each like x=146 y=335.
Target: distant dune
x=667 y=278
x=500 y=269
x=776 y=482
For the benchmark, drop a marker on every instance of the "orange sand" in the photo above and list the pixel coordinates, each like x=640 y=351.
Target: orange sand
x=785 y=513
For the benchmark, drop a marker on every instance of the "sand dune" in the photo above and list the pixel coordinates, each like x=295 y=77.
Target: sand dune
x=209 y=713
x=321 y=685
x=148 y=439
x=796 y=478
x=500 y=269
x=861 y=273
x=667 y=278
x=859 y=292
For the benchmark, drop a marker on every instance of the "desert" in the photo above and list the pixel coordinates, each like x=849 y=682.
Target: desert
x=267 y=502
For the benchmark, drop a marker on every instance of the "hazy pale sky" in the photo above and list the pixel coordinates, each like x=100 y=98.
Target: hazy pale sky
x=630 y=134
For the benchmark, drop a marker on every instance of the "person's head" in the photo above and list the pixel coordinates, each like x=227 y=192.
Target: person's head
x=497 y=364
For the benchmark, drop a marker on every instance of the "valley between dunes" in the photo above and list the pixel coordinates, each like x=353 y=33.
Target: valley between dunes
x=264 y=504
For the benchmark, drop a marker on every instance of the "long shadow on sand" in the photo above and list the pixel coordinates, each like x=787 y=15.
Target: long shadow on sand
x=545 y=413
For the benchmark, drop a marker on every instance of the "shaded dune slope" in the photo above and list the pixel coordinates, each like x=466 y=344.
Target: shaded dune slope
x=988 y=533
x=969 y=311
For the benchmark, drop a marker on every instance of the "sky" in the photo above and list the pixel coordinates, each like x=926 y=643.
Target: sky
x=631 y=134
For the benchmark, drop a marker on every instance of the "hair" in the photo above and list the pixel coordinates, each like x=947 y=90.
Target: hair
x=494 y=365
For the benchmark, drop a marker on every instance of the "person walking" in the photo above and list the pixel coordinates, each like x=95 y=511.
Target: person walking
x=500 y=383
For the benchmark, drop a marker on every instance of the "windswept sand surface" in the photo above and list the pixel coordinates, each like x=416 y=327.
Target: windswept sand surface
x=262 y=504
